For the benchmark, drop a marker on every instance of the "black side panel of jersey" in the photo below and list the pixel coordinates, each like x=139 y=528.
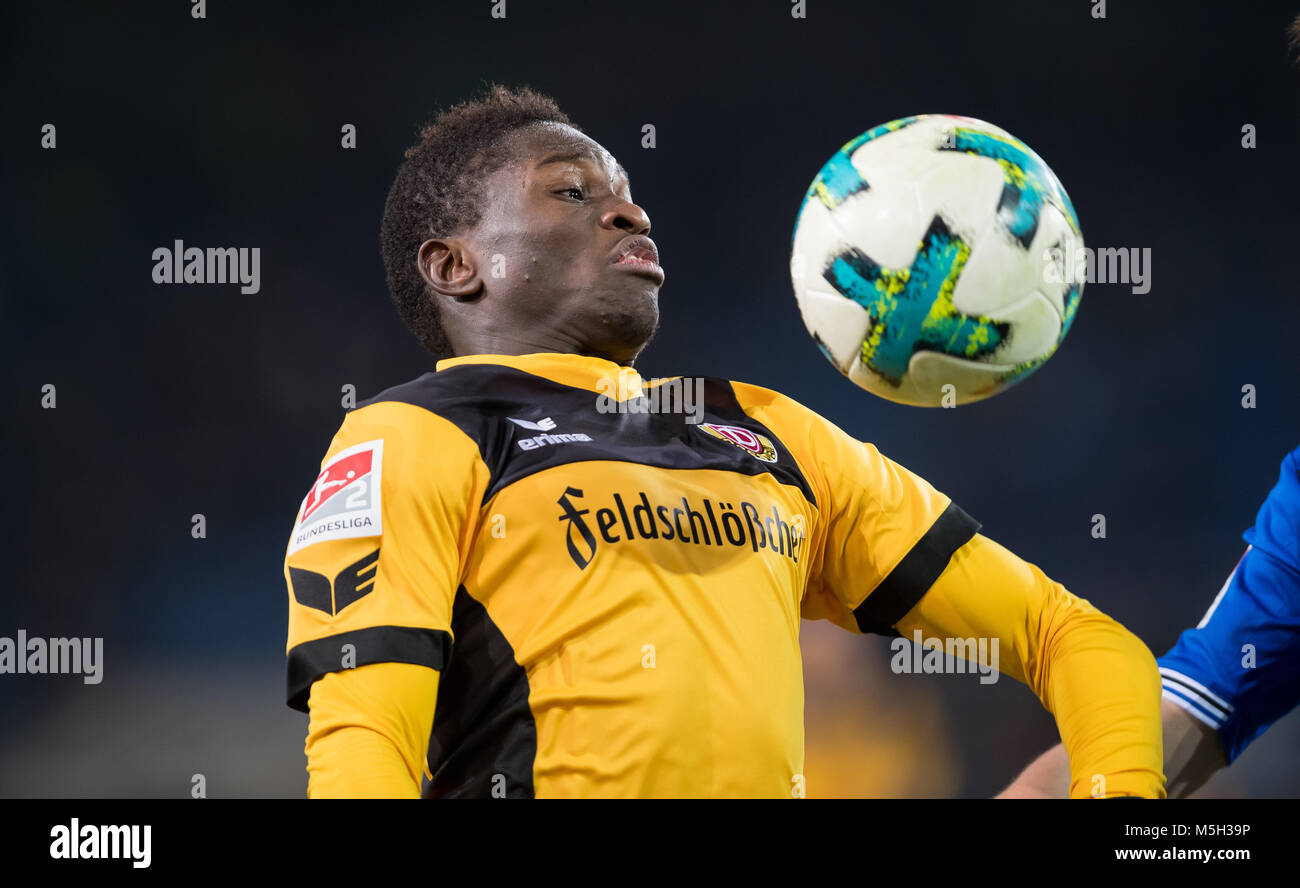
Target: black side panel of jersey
x=482 y=724
x=486 y=401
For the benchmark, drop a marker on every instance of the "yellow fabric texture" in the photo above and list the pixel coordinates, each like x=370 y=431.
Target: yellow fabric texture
x=369 y=730
x=1097 y=679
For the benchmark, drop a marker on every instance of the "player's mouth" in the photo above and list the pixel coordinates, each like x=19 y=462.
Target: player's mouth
x=639 y=255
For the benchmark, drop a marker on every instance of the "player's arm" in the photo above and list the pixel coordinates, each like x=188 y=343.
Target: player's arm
x=372 y=570
x=1097 y=679
x=369 y=731
x=892 y=555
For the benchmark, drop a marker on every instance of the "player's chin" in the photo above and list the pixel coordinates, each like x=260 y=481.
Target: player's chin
x=630 y=316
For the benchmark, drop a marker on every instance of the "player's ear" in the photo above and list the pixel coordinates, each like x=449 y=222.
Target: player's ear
x=449 y=268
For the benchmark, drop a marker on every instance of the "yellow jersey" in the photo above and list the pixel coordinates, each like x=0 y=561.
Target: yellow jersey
x=608 y=584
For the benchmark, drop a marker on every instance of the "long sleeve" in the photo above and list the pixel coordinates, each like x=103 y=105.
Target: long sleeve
x=1096 y=678
x=369 y=731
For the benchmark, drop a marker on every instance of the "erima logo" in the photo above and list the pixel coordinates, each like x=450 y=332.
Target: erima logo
x=713 y=524
x=544 y=426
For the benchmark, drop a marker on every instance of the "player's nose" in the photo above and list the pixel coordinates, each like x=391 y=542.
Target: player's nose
x=626 y=217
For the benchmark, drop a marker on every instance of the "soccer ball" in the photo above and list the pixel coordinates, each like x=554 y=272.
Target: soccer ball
x=929 y=260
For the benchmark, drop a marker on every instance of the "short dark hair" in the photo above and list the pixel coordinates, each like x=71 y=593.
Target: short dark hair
x=438 y=191
x=1293 y=37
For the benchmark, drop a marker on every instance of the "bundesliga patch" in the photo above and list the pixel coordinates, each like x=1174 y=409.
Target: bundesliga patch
x=344 y=501
x=756 y=445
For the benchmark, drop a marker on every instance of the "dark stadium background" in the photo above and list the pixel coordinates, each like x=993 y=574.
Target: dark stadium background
x=176 y=400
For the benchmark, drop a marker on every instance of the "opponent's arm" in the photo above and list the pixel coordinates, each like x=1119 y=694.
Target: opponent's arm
x=1046 y=777
x=1217 y=701
x=1192 y=751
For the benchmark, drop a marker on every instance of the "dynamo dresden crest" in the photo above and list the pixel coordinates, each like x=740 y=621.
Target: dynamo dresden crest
x=756 y=445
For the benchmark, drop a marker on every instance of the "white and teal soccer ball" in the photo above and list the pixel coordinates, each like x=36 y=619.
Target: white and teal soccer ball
x=929 y=260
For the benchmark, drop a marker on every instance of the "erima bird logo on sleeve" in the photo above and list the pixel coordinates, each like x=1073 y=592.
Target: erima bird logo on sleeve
x=542 y=425
x=315 y=590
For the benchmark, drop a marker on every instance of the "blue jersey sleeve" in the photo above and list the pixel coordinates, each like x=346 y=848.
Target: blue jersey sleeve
x=1239 y=669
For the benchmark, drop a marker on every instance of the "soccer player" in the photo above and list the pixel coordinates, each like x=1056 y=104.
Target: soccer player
x=524 y=574
x=1233 y=675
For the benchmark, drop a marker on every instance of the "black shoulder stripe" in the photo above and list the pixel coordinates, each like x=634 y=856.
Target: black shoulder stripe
x=422 y=391
x=312 y=660
x=465 y=396
x=498 y=407
x=912 y=577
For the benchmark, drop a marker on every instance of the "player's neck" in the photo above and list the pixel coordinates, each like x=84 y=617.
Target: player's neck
x=552 y=343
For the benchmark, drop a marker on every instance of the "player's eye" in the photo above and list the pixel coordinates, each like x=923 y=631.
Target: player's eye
x=572 y=191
